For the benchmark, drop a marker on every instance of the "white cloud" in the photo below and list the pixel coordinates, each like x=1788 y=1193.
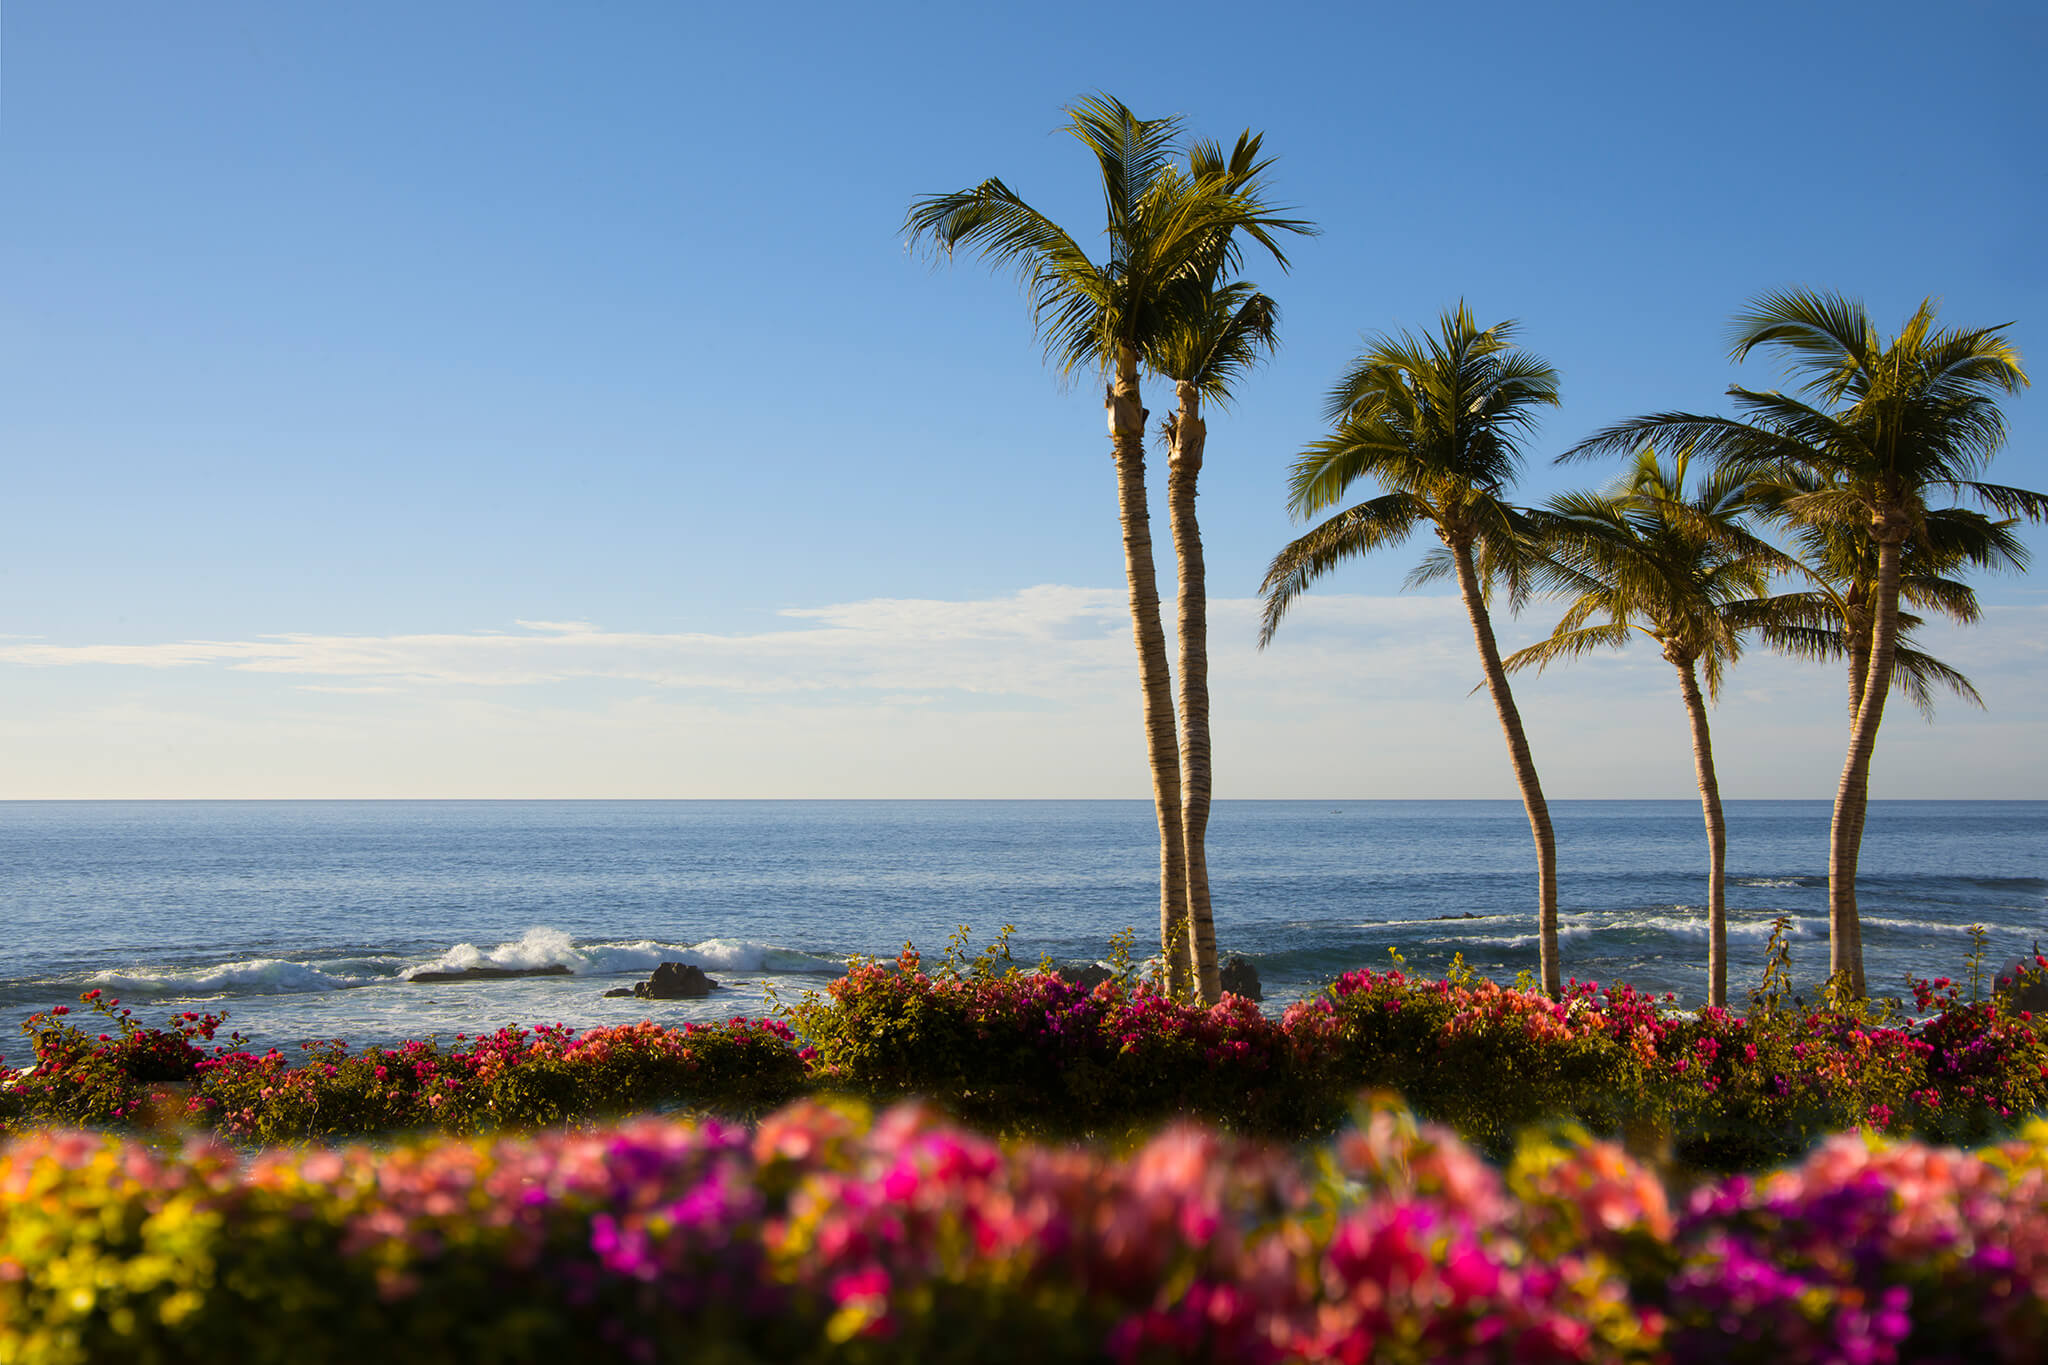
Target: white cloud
x=1041 y=642
x=1031 y=694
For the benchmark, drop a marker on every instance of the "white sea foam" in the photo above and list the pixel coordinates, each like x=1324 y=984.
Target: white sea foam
x=1439 y=922
x=1565 y=929
x=545 y=947
x=1690 y=922
x=745 y=955
x=257 y=976
x=1918 y=926
x=1686 y=923
x=1770 y=881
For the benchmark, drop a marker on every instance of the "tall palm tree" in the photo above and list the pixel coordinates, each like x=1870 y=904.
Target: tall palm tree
x=1226 y=328
x=1649 y=558
x=1162 y=227
x=1435 y=421
x=1892 y=422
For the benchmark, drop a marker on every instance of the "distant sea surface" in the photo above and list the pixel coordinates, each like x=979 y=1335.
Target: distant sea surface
x=307 y=919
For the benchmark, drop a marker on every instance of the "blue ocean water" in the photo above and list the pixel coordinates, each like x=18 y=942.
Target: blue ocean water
x=305 y=919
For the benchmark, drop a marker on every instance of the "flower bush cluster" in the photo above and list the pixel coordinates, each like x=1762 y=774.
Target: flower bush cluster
x=105 y=1073
x=831 y=1233
x=1034 y=1054
x=1727 y=1091
x=514 y=1078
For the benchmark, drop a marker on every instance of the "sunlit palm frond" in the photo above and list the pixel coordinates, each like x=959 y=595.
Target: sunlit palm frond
x=1828 y=337
x=1356 y=531
x=1566 y=645
x=1131 y=153
x=1918 y=674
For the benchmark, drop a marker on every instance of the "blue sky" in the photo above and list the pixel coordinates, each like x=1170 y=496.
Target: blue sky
x=338 y=342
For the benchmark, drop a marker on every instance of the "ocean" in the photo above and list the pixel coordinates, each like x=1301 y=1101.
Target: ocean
x=307 y=919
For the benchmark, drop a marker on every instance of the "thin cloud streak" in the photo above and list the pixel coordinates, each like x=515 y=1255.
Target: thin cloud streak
x=1030 y=694
x=1048 y=642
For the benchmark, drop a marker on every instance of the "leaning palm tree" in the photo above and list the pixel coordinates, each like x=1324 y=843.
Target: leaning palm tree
x=1435 y=421
x=1648 y=558
x=1104 y=316
x=1893 y=422
x=1226 y=328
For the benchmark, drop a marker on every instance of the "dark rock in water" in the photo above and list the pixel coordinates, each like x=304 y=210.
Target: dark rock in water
x=1088 y=977
x=1464 y=915
x=626 y=991
x=676 y=981
x=2023 y=985
x=1241 y=978
x=492 y=973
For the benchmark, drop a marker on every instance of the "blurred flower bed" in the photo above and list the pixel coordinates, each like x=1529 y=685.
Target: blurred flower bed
x=828 y=1232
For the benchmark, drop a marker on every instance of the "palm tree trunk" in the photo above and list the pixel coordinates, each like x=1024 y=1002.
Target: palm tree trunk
x=1856 y=640
x=1127 y=443
x=1187 y=438
x=1859 y=682
x=1859 y=676
x=1852 y=796
x=1717 y=833
x=1525 y=768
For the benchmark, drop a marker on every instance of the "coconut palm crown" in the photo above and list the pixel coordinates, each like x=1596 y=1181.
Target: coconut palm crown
x=1886 y=425
x=1436 y=422
x=1830 y=619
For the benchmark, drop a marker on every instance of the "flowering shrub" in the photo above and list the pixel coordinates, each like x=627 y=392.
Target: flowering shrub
x=82 y=1077
x=1728 y=1092
x=829 y=1233
x=1487 y=1060
x=514 y=1078
x=1039 y=1053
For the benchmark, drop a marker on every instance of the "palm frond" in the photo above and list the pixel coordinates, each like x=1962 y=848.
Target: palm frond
x=1130 y=152
x=1916 y=675
x=2008 y=501
x=1354 y=532
x=1567 y=645
x=1828 y=336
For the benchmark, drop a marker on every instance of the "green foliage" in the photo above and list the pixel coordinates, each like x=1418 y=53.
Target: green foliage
x=1483 y=1060
x=512 y=1079
x=86 y=1078
x=1776 y=988
x=1036 y=1053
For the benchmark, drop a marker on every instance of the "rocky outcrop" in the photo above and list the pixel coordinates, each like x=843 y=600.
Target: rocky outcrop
x=490 y=973
x=1088 y=977
x=671 y=981
x=1241 y=978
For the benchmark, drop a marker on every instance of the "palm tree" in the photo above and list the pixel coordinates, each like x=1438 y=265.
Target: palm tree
x=1647 y=558
x=1226 y=329
x=1892 y=422
x=1163 y=227
x=1435 y=421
